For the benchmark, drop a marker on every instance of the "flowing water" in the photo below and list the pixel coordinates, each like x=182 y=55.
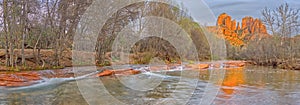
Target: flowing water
x=240 y=86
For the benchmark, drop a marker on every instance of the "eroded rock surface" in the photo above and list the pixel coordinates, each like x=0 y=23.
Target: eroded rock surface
x=237 y=33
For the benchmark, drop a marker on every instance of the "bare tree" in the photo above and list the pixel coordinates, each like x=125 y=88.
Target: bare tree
x=283 y=21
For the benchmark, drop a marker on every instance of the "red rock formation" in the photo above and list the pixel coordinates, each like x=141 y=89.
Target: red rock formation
x=221 y=19
x=252 y=26
x=236 y=33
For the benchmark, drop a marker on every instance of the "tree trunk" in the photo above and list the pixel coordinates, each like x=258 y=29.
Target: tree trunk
x=23 y=23
x=5 y=13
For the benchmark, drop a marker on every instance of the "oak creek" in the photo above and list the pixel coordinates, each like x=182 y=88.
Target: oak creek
x=247 y=85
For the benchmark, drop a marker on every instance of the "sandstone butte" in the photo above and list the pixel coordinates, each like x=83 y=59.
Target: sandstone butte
x=238 y=33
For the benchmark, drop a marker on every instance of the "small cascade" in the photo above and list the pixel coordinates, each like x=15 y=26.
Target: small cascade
x=147 y=71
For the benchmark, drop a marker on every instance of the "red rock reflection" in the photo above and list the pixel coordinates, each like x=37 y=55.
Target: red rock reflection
x=233 y=78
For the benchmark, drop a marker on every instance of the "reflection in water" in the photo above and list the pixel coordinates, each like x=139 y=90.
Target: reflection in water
x=233 y=77
x=260 y=85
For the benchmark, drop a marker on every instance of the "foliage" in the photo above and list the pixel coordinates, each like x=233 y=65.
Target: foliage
x=156 y=47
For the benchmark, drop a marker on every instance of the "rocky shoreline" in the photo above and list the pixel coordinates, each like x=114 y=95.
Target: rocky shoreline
x=27 y=78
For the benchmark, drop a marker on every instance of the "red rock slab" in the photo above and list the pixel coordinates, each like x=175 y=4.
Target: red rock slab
x=127 y=72
x=2 y=83
x=118 y=72
x=203 y=66
x=135 y=72
x=12 y=78
x=18 y=79
x=198 y=66
x=29 y=76
x=33 y=78
x=237 y=64
x=242 y=64
x=18 y=84
x=105 y=73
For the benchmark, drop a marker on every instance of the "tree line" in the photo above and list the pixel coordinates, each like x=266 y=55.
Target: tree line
x=38 y=24
x=51 y=24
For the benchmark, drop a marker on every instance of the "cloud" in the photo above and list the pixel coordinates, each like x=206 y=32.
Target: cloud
x=241 y=8
x=201 y=10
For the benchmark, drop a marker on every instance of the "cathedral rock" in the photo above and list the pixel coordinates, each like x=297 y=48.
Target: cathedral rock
x=237 y=33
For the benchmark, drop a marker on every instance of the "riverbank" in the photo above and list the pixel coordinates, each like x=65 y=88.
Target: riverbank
x=280 y=64
x=44 y=60
x=47 y=55
x=41 y=61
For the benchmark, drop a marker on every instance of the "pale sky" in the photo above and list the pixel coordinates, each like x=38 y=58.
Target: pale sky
x=202 y=10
